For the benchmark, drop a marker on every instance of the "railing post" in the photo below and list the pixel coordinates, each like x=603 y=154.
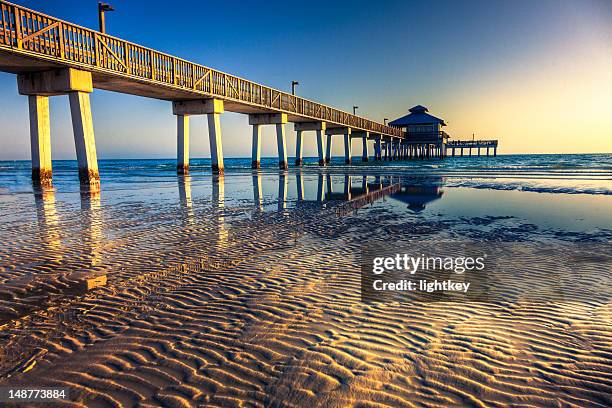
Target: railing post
x=152 y=63
x=97 y=47
x=126 y=50
x=193 y=78
x=174 y=79
x=18 y=32
x=62 y=47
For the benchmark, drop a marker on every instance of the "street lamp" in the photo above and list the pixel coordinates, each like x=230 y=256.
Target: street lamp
x=355 y=109
x=385 y=120
x=102 y=7
x=293 y=84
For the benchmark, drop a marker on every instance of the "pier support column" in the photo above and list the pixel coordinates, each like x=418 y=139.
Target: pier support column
x=182 y=144
x=256 y=147
x=212 y=108
x=347 y=146
x=364 y=141
x=319 y=128
x=278 y=119
x=216 y=145
x=298 y=148
x=328 y=149
x=78 y=85
x=282 y=146
x=377 y=149
x=40 y=139
x=321 y=147
x=82 y=125
x=495 y=151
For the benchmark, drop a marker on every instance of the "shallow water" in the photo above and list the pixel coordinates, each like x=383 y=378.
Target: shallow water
x=245 y=289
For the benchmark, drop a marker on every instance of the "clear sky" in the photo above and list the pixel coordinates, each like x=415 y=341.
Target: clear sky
x=537 y=75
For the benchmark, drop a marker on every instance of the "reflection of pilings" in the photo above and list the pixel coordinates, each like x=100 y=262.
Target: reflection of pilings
x=218 y=201
x=92 y=226
x=257 y=191
x=347 y=186
x=283 y=184
x=364 y=184
x=48 y=222
x=299 y=181
x=354 y=204
x=321 y=187
x=184 y=188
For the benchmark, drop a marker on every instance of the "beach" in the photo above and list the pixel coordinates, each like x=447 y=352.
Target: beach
x=246 y=289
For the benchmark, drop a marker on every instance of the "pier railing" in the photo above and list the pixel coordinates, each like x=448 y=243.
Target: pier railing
x=32 y=33
x=472 y=143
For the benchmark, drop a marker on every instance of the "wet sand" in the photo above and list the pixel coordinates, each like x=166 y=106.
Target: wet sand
x=220 y=295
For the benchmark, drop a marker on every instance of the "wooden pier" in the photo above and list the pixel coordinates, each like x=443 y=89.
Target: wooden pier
x=472 y=144
x=55 y=57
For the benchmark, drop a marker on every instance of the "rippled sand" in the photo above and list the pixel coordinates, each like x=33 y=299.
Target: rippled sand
x=208 y=304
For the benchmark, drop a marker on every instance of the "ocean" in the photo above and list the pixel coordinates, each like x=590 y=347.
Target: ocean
x=554 y=173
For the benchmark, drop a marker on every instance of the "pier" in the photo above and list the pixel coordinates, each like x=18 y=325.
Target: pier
x=489 y=145
x=55 y=57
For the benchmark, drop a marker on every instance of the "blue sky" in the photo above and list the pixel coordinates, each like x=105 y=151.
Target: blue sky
x=529 y=73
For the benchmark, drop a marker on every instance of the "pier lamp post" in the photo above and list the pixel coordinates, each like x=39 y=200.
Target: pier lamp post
x=293 y=85
x=102 y=7
x=355 y=109
x=385 y=120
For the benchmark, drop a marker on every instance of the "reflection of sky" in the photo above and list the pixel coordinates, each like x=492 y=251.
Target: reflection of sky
x=562 y=211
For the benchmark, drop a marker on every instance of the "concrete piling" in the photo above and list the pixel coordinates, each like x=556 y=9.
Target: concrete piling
x=256 y=147
x=298 y=148
x=40 y=139
x=182 y=144
x=348 y=144
x=82 y=125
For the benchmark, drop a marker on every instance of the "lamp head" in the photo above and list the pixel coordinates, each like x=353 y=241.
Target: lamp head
x=105 y=7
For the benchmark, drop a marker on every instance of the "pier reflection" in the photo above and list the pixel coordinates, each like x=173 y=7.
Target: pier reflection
x=333 y=188
x=48 y=222
x=184 y=189
x=92 y=235
x=417 y=194
x=218 y=203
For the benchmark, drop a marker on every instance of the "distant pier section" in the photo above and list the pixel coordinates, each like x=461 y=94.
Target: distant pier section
x=425 y=139
x=489 y=145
